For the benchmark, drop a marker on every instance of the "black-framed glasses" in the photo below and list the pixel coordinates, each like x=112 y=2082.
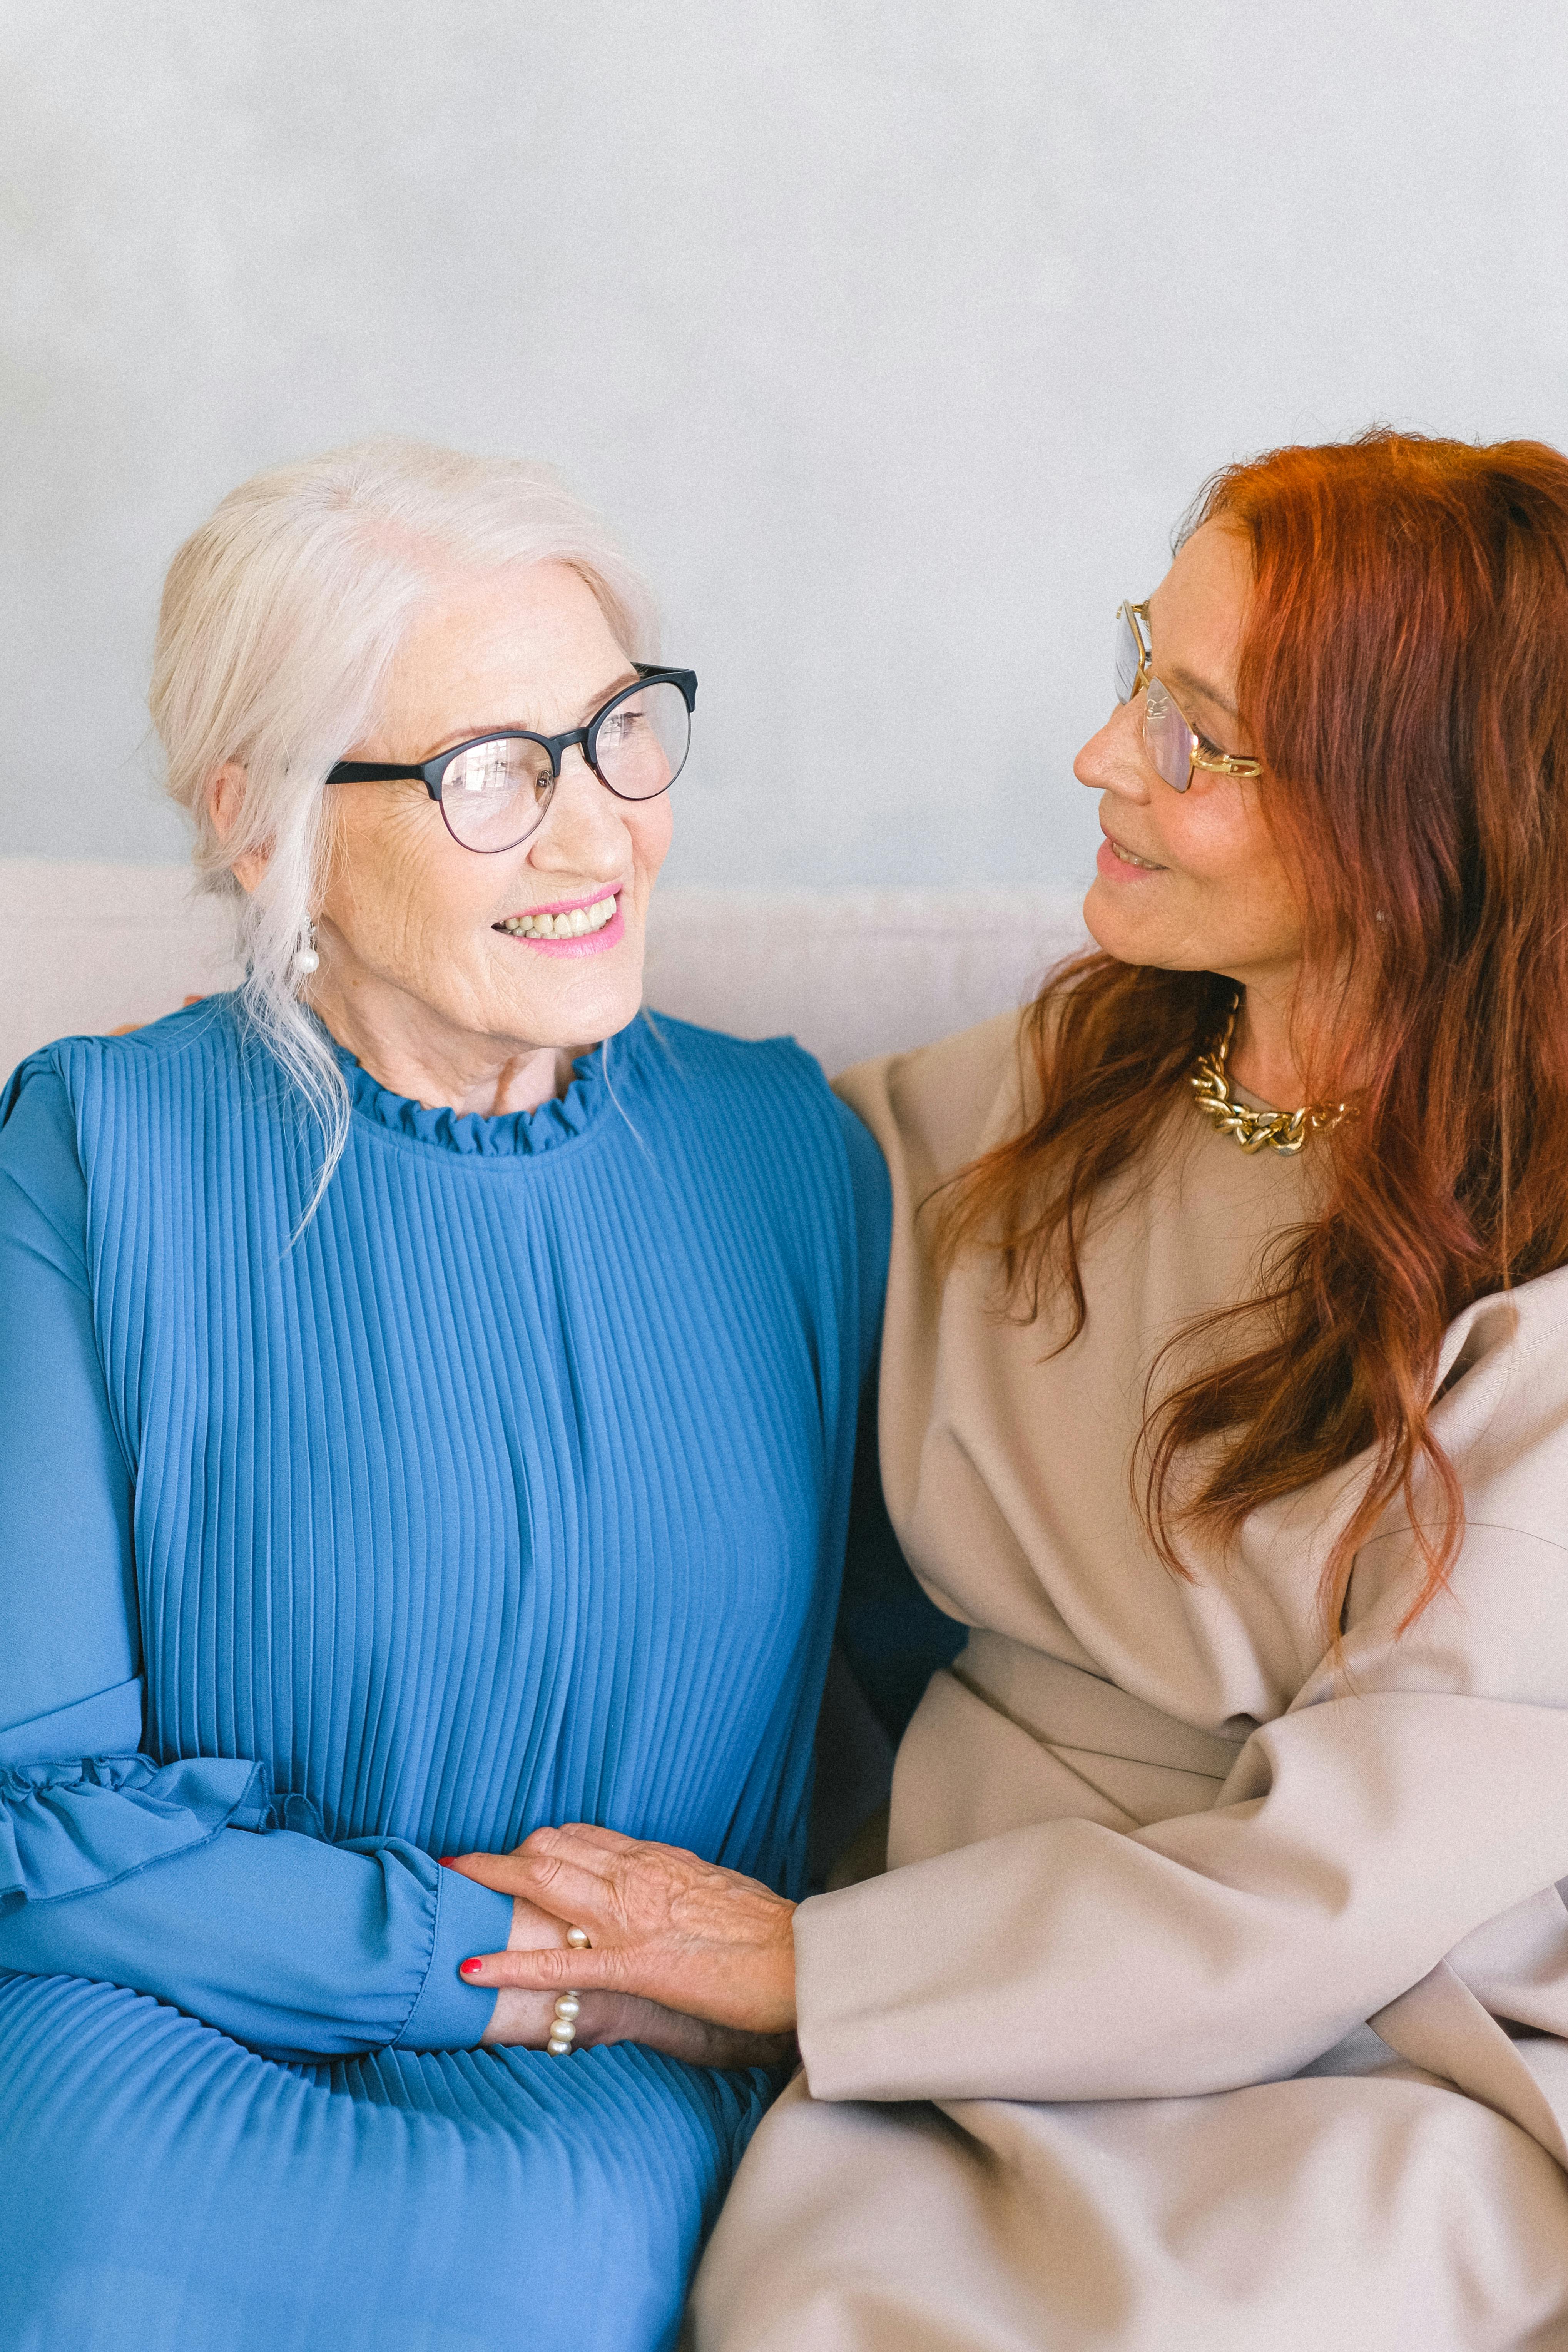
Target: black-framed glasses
x=493 y=791
x=1172 y=743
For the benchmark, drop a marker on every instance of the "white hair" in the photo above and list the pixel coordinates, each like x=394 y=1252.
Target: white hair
x=280 y=621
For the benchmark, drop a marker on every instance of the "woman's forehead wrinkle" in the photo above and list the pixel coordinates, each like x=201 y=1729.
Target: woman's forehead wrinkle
x=1178 y=677
x=515 y=726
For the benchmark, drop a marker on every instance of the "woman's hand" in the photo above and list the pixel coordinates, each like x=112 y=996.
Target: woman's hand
x=666 y=1927
x=521 y=2020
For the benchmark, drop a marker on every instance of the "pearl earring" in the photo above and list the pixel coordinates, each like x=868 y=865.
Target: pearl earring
x=305 y=956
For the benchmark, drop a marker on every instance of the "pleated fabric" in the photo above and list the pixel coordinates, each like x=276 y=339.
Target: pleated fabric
x=511 y=1491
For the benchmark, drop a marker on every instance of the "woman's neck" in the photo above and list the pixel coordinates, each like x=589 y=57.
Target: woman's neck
x=413 y=1053
x=1260 y=1059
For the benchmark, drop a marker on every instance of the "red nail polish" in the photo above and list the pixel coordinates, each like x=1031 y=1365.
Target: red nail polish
x=448 y=1861
x=469 y=1967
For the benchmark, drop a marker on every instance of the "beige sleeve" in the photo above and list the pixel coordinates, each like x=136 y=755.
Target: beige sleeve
x=931 y=1113
x=1397 y=1806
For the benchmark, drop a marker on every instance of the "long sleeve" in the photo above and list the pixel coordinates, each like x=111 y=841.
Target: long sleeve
x=892 y=1637
x=1407 y=1800
x=872 y=1197
x=189 y=1880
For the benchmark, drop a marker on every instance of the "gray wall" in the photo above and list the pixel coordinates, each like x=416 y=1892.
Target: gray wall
x=894 y=333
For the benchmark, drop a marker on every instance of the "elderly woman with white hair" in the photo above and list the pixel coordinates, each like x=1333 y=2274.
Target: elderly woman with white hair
x=427 y=1396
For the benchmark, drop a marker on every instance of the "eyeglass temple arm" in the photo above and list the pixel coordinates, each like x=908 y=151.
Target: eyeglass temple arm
x=371 y=772
x=1225 y=764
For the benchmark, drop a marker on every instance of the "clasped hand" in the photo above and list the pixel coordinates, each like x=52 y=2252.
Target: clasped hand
x=690 y=1958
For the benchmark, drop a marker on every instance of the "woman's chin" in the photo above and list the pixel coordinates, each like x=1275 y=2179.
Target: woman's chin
x=563 y=1002
x=1113 y=929
x=1133 y=933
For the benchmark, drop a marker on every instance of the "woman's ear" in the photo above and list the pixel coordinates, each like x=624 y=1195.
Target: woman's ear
x=225 y=799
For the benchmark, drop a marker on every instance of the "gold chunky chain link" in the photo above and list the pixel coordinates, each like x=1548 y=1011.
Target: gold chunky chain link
x=1255 y=1130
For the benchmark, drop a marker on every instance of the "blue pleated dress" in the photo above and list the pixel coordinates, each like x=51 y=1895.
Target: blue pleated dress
x=512 y=1492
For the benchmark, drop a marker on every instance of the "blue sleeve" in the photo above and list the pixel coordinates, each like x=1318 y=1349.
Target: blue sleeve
x=190 y=1881
x=873 y=1196
x=891 y=1637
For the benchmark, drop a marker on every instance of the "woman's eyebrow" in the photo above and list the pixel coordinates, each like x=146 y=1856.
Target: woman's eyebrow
x=1187 y=681
x=1181 y=679
x=521 y=726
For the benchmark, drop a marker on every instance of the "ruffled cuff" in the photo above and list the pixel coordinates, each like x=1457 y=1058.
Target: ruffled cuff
x=470 y=1919
x=76 y=1828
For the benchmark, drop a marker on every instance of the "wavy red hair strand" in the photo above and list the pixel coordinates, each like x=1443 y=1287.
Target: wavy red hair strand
x=1404 y=676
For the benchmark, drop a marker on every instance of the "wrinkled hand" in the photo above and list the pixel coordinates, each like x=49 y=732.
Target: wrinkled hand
x=523 y=2019
x=666 y=1926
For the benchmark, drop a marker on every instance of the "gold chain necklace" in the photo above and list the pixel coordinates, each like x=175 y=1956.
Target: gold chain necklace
x=1279 y=1130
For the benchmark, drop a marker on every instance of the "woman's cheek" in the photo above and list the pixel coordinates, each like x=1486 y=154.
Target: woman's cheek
x=652 y=830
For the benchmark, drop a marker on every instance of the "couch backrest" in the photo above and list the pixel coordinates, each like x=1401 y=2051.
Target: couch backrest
x=849 y=972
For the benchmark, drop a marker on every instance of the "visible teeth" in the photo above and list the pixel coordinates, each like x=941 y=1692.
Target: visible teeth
x=1128 y=858
x=559 y=927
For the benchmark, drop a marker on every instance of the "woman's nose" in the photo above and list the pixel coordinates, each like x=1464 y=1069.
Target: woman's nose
x=1111 y=761
x=583 y=830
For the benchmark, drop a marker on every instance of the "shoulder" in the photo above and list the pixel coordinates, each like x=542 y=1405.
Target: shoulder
x=64 y=1102
x=42 y=1190
x=1500 y=1416
x=200 y=1033
x=69 y=1095
x=933 y=1111
x=759 y=1118
x=1501 y=1411
x=765 y=1082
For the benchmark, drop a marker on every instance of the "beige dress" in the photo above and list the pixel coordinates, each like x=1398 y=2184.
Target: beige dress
x=1214 y=1997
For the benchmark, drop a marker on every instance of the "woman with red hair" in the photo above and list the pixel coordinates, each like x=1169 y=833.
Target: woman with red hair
x=1217 y=1991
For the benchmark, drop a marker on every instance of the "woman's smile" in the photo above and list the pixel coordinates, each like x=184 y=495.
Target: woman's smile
x=1115 y=859
x=570 y=926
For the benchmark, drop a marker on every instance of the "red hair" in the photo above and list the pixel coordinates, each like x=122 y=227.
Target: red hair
x=1404 y=677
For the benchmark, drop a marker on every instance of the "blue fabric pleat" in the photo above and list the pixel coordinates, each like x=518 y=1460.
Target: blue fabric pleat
x=511 y=1491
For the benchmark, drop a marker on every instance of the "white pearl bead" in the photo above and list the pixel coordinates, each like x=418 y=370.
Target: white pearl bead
x=307 y=960
x=556 y=2047
x=569 y=2006
x=577 y=1938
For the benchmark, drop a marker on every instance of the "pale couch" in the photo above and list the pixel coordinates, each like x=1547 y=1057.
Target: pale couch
x=849 y=972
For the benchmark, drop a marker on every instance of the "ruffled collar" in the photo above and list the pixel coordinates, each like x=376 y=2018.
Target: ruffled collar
x=511 y=1135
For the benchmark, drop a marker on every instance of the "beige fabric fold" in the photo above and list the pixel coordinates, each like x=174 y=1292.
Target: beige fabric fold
x=1091 y=2065
x=1441 y=2026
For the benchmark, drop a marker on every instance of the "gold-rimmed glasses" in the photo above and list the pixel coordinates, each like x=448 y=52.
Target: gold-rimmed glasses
x=1172 y=742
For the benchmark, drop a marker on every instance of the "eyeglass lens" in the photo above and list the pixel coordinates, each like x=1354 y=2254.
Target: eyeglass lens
x=1129 y=657
x=495 y=793
x=643 y=741
x=1167 y=738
